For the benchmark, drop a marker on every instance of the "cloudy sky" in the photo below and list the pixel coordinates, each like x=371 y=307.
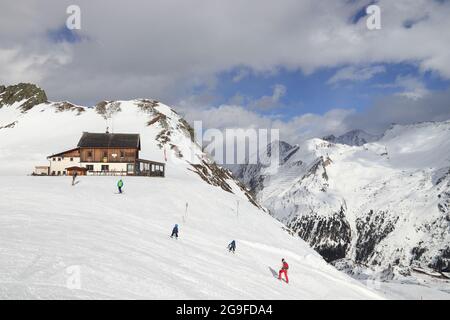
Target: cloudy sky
x=307 y=67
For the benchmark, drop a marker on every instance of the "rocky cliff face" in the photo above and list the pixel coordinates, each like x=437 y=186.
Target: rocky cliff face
x=330 y=235
x=24 y=95
x=371 y=229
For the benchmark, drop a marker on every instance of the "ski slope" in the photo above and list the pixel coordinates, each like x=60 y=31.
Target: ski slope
x=122 y=249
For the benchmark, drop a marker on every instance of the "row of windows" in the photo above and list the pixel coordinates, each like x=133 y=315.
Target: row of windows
x=151 y=167
x=105 y=154
x=89 y=167
x=105 y=167
x=58 y=173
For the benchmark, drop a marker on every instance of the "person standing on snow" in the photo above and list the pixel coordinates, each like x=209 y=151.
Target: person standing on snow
x=120 y=185
x=175 y=232
x=283 y=270
x=74 y=177
x=232 y=246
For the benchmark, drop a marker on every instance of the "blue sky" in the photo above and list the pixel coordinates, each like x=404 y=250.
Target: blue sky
x=63 y=34
x=310 y=93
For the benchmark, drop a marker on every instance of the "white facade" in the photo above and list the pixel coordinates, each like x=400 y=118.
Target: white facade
x=41 y=170
x=111 y=167
x=59 y=164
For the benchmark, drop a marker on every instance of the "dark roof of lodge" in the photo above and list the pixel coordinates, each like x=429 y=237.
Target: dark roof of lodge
x=109 y=140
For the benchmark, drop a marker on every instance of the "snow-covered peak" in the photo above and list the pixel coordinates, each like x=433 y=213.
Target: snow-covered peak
x=23 y=96
x=353 y=138
x=383 y=203
x=420 y=145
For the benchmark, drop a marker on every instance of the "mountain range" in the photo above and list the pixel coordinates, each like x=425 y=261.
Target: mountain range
x=86 y=241
x=377 y=202
x=381 y=205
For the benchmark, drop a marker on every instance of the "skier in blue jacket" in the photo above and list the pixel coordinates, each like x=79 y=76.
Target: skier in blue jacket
x=175 y=232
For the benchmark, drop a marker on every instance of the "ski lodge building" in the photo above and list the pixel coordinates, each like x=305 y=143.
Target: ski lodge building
x=104 y=154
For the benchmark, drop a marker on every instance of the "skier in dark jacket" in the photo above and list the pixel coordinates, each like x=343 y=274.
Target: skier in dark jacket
x=284 y=270
x=74 y=177
x=232 y=246
x=175 y=232
x=120 y=185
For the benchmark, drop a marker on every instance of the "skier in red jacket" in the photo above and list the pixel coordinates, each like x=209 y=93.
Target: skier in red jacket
x=284 y=270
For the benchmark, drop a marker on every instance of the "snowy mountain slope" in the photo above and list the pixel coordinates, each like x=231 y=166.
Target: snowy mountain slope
x=120 y=243
x=384 y=204
x=54 y=127
x=29 y=136
x=353 y=138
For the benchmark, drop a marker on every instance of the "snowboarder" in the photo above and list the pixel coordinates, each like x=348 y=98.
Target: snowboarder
x=232 y=246
x=120 y=185
x=74 y=177
x=175 y=232
x=283 y=270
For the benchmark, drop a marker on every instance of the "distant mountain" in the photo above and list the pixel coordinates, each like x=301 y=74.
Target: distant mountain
x=383 y=204
x=353 y=138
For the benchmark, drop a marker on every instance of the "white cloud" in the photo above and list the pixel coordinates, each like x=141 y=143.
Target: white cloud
x=353 y=73
x=409 y=86
x=242 y=73
x=401 y=109
x=297 y=128
x=155 y=48
x=164 y=48
x=273 y=101
x=17 y=66
x=412 y=87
